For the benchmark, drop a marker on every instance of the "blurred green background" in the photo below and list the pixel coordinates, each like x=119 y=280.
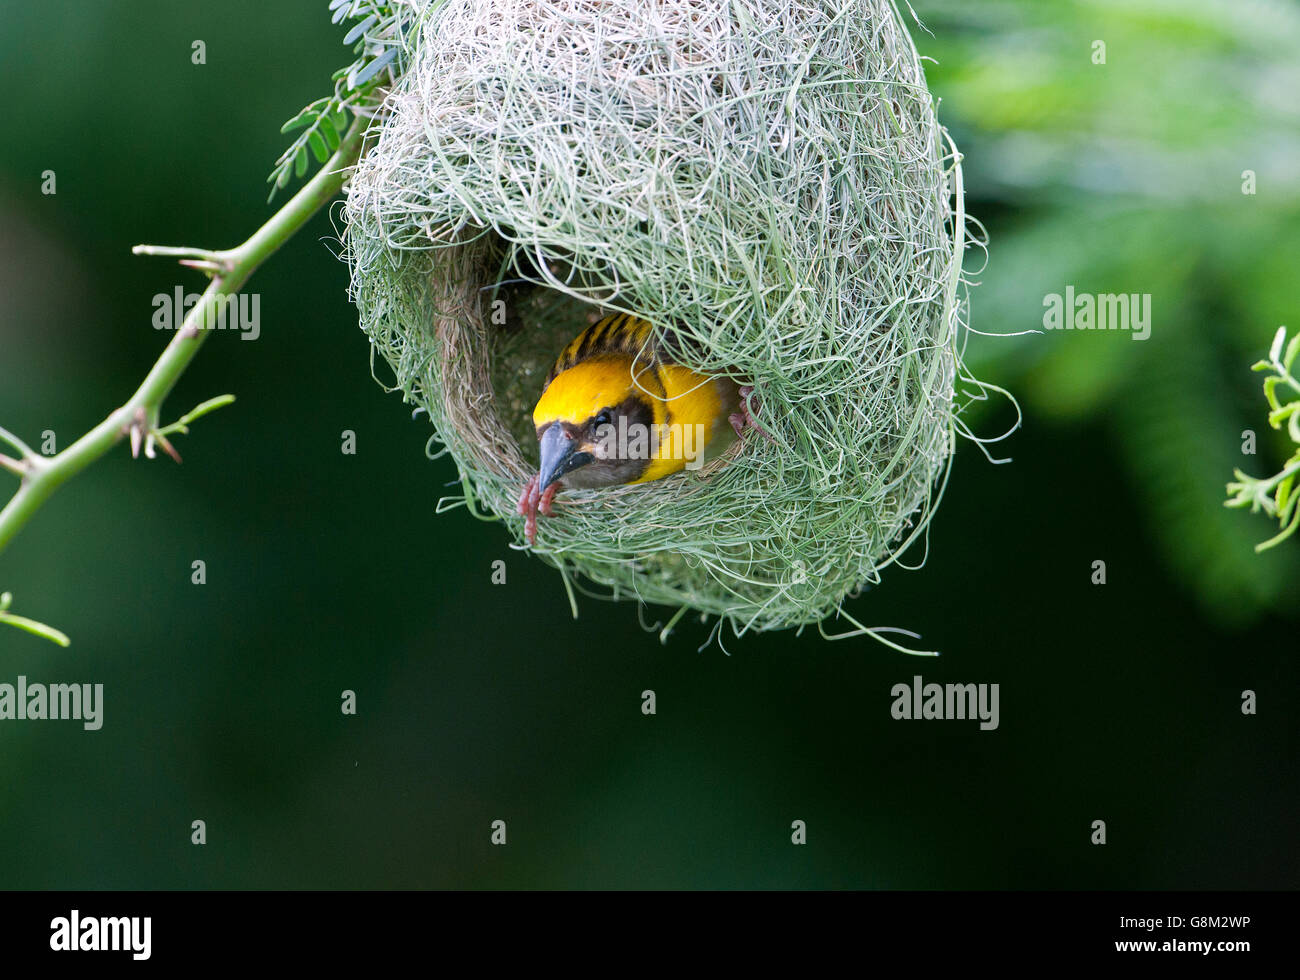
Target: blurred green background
x=478 y=702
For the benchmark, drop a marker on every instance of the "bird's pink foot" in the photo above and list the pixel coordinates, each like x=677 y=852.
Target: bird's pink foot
x=528 y=509
x=544 y=505
x=528 y=499
x=744 y=419
x=531 y=502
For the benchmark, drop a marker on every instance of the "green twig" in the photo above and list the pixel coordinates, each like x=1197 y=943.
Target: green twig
x=137 y=418
x=181 y=425
x=30 y=625
x=24 y=450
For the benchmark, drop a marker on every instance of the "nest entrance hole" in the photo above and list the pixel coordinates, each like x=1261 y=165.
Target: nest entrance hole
x=526 y=320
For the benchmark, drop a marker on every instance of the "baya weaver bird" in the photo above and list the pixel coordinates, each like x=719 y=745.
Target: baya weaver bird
x=617 y=408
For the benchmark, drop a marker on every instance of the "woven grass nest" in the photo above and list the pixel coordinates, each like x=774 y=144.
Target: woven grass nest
x=767 y=183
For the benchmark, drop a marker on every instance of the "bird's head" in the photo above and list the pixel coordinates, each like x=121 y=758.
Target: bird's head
x=584 y=419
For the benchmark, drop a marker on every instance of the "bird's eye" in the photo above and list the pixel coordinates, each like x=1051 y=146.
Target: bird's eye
x=602 y=418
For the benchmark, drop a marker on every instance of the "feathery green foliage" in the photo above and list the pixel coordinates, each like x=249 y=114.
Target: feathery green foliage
x=1134 y=175
x=378 y=41
x=1277 y=496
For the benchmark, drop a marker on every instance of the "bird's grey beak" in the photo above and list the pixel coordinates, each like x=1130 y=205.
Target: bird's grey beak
x=559 y=455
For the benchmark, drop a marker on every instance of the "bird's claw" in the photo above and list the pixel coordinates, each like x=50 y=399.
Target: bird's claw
x=528 y=509
x=531 y=502
x=744 y=419
x=526 y=498
x=544 y=505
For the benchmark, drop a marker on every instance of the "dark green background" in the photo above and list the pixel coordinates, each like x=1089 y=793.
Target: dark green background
x=480 y=702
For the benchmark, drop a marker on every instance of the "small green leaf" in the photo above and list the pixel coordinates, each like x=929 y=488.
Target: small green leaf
x=1278 y=539
x=1275 y=351
x=317 y=144
x=1270 y=393
x=328 y=130
x=375 y=67
x=300 y=162
x=359 y=29
x=297 y=122
x=1284 y=494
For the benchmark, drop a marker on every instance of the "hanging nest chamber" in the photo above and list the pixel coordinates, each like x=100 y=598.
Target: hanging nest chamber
x=763 y=180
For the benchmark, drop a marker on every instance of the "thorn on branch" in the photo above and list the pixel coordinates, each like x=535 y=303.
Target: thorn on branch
x=142 y=433
x=162 y=441
x=136 y=431
x=205 y=260
x=211 y=268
